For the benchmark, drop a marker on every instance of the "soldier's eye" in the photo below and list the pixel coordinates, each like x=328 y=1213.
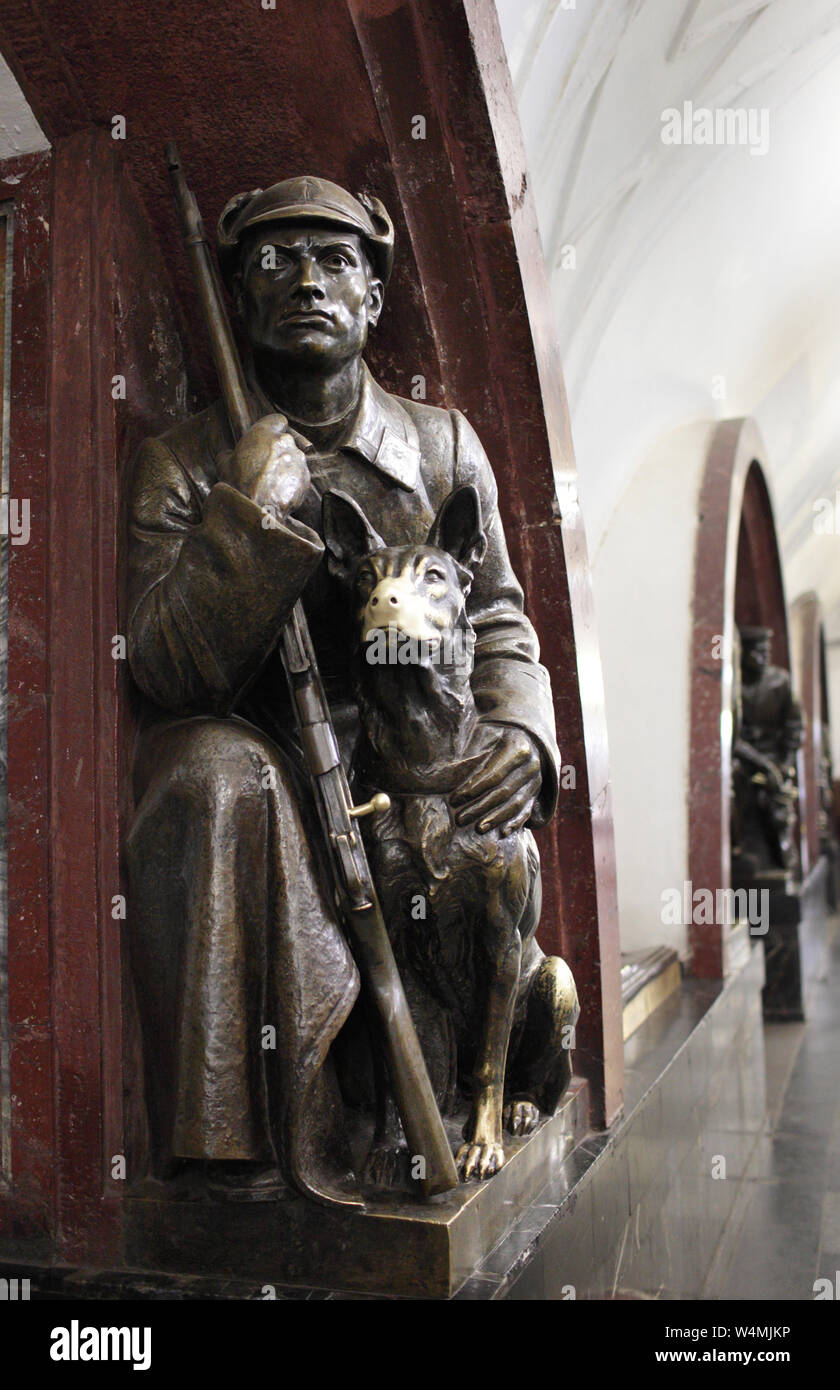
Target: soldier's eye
x=336 y=261
x=270 y=258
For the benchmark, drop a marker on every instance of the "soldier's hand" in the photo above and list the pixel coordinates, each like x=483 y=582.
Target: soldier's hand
x=501 y=791
x=268 y=467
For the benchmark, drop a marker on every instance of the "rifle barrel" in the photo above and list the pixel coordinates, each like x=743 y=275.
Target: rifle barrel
x=222 y=342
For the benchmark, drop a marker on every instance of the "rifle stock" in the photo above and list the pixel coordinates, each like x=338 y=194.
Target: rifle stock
x=360 y=908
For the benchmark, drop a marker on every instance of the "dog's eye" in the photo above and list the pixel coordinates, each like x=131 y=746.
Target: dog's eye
x=435 y=576
x=365 y=582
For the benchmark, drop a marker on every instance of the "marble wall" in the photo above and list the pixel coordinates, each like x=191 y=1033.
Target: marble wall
x=5 y=324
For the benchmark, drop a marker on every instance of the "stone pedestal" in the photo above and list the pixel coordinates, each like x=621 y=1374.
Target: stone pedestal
x=396 y=1246
x=782 y=993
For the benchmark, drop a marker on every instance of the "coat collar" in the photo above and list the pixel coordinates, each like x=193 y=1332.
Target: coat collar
x=380 y=430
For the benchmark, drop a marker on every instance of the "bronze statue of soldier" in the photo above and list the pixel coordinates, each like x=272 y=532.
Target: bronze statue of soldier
x=768 y=735
x=243 y=976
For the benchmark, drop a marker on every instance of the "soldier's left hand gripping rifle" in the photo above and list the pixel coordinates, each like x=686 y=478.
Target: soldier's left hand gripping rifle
x=356 y=893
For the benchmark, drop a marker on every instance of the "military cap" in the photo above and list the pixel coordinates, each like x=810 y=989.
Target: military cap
x=306 y=199
x=755 y=636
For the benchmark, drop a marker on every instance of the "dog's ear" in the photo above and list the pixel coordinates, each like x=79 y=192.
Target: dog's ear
x=457 y=528
x=348 y=535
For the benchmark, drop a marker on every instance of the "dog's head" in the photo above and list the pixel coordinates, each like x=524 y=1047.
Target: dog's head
x=420 y=591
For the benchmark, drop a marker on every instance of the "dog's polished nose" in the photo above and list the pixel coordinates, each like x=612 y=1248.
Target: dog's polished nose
x=395 y=602
x=384 y=595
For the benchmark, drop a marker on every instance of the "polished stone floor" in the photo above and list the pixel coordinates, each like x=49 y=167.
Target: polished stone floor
x=784 y=1232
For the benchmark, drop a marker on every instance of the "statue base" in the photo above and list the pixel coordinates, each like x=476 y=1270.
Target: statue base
x=782 y=993
x=396 y=1245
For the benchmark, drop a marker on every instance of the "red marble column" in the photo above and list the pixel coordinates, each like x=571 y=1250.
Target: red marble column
x=90 y=303
x=84 y=872
x=27 y=1207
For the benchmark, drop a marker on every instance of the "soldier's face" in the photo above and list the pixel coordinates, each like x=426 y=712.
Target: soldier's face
x=756 y=658
x=308 y=294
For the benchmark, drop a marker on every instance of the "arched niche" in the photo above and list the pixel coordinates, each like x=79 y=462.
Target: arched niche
x=737 y=581
x=468 y=323
x=810 y=677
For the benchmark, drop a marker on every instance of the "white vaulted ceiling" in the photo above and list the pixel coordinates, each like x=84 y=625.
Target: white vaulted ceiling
x=706 y=279
x=20 y=133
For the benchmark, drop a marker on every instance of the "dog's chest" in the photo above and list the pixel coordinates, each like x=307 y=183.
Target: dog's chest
x=418 y=848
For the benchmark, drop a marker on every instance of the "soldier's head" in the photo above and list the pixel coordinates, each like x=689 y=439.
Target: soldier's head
x=755 y=651
x=306 y=264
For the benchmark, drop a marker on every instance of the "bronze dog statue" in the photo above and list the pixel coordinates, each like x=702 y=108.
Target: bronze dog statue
x=462 y=907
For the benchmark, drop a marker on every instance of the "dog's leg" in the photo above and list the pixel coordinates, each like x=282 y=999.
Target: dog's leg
x=541 y=1066
x=482 y=1154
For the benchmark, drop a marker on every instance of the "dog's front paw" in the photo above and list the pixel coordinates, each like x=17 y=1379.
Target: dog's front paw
x=520 y=1117
x=479 y=1160
x=387 y=1165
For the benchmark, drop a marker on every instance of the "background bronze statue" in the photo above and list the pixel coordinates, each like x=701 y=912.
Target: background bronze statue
x=768 y=735
x=244 y=979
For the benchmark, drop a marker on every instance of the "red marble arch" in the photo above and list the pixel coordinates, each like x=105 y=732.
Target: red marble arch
x=480 y=334
x=737 y=579
x=808 y=644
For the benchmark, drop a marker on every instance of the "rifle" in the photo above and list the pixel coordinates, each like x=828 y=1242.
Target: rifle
x=357 y=898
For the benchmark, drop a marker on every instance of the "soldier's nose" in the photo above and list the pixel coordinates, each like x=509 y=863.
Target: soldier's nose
x=308 y=280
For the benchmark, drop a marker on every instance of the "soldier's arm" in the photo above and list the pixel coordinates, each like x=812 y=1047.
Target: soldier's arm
x=210 y=584
x=794 y=727
x=509 y=684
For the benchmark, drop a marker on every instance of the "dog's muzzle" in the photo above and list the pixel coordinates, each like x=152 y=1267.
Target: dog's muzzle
x=396 y=603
